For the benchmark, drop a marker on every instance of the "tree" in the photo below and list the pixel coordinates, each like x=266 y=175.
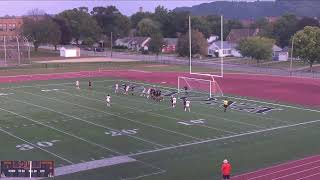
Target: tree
x=88 y=42
x=81 y=24
x=66 y=35
x=41 y=31
x=137 y=17
x=307 y=44
x=156 y=43
x=256 y=47
x=111 y=20
x=307 y=21
x=147 y=27
x=201 y=24
x=199 y=44
x=177 y=24
x=284 y=28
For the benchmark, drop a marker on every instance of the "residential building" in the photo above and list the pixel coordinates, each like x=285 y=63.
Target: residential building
x=170 y=45
x=227 y=49
x=236 y=35
x=133 y=43
x=279 y=54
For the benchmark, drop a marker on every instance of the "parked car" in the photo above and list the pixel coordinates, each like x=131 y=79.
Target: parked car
x=88 y=49
x=99 y=49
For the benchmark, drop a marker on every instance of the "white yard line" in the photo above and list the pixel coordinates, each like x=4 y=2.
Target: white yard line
x=88 y=122
x=226 y=137
x=128 y=99
x=138 y=122
x=306 y=177
x=63 y=132
x=34 y=145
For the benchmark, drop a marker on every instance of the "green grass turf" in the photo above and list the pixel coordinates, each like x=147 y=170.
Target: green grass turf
x=79 y=120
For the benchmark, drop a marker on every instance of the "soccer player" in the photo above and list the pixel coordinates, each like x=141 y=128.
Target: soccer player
x=148 y=93
x=127 y=90
x=143 y=93
x=173 y=101
x=225 y=105
x=116 y=88
x=186 y=90
x=78 y=84
x=108 y=99
x=90 y=84
x=187 y=106
x=132 y=90
x=226 y=169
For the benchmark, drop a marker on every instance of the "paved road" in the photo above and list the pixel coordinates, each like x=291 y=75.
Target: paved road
x=209 y=62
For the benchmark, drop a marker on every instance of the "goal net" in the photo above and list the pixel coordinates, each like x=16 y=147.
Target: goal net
x=188 y=86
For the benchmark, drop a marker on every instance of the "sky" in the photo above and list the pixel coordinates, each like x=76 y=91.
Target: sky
x=127 y=7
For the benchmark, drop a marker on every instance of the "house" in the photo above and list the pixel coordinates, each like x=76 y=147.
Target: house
x=229 y=49
x=133 y=43
x=236 y=35
x=10 y=26
x=247 y=22
x=272 y=19
x=170 y=45
x=279 y=54
x=212 y=38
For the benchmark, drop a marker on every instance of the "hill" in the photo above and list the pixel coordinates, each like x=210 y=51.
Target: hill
x=257 y=9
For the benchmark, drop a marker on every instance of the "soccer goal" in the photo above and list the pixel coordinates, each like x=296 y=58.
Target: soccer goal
x=193 y=86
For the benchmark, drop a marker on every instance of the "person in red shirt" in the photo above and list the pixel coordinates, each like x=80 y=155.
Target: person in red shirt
x=226 y=169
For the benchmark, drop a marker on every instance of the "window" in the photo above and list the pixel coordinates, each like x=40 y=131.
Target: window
x=11 y=27
x=3 y=27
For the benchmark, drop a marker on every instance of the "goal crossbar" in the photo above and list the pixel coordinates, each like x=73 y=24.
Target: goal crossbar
x=211 y=86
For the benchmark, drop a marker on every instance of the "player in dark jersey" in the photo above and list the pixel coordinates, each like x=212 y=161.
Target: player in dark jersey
x=90 y=84
x=132 y=90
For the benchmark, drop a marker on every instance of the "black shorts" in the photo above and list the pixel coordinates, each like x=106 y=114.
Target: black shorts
x=225 y=106
x=226 y=176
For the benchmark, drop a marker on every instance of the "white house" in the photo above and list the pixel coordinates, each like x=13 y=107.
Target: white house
x=229 y=49
x=279 y=54
x=70 y=52
x=133 y=43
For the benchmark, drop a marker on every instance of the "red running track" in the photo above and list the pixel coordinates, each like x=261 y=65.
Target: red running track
x=303 y=91
x=303 y=169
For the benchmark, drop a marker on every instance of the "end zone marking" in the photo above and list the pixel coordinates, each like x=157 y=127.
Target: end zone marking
x=92 y=165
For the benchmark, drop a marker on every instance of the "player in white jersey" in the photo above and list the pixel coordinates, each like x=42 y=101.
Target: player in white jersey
x=127 y=90
x=187 y=106
x=78 y=84
x=173 y=101
x=116 y=88
x=148 y=93
x=108 y=99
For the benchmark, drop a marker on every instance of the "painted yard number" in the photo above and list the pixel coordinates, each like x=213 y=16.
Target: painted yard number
x=122 y=132
x=192 y=122
x=43 y=144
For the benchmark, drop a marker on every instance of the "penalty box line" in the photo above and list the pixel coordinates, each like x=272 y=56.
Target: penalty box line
x=226 y=137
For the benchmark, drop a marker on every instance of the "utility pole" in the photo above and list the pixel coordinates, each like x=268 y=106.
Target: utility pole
x=111 y=43
x=291 y=55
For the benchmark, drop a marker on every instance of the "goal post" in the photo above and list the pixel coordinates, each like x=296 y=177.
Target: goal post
x=195 y=86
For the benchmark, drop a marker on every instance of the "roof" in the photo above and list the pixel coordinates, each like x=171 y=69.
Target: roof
x=276 y=48
x=236 y=35
x=171 y=41
x=138 y=40
x=226 y=44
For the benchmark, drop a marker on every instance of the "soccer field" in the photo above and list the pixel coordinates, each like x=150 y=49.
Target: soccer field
x=139 y=138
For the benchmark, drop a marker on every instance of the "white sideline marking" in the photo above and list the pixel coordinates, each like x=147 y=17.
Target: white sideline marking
x=150 y=112
x=145 y=175
x=56 y=155
x=275 y=104
x=63 y=132
x=227 y=137
x=92 y=165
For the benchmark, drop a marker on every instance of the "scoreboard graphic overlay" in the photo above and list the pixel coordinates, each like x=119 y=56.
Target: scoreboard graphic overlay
x=27 y=168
